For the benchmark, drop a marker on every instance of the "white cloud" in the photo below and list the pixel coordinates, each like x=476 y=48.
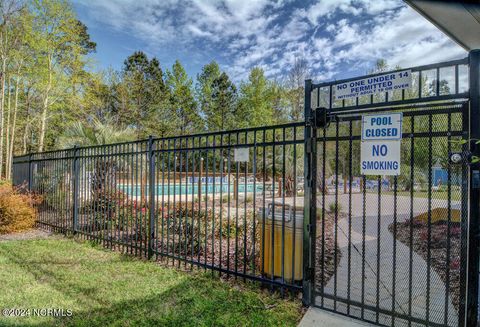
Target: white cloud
x=197 y=31
x=379 y=7
x=328 y=8
x=244 y=10
x=333 y=35
x=404 y=39
x=345 y=33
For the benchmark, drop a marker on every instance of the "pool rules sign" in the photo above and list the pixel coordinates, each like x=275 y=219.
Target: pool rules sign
x=380 y=149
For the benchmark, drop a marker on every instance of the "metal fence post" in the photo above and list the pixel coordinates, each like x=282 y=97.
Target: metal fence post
x=75 y=189
x=30 y=172
x=151 y=194
x=474 y=194
x=200 y=181
x=310 y=203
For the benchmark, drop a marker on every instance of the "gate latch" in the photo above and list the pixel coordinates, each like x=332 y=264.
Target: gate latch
x=322 y=119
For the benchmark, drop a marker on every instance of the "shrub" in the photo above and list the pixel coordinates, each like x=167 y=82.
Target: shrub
x=55 y=199
x=224 y=199
x=16 y=210
x=455 y=264
x=440 y=214
x=182 y=226
x=234 y=228
x=105 y=204
x=455 y=231
x=333 y=206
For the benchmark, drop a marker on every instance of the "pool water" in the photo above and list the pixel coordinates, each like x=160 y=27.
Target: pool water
x=165 y=189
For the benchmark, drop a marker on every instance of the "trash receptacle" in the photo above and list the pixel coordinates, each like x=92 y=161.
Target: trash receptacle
x=292 y=240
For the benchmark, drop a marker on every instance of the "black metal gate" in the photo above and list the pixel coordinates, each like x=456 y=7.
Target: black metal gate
x=395 y=250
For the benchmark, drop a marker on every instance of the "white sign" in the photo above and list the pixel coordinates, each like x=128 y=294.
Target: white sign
x=381 y=141
x=240 y=154
x=373 y=85
x=380 y=158
x=382 y=127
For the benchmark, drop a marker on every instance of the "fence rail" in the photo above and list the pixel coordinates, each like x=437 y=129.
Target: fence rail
x=447 y=81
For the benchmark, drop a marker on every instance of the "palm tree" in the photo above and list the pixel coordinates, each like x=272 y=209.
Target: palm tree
x=95 y=133
x=105 y=168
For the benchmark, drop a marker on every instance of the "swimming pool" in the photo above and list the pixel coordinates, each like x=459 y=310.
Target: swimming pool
x=165 y=189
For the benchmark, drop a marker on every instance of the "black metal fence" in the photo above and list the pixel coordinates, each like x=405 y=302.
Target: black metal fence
x=288 y=206
x=229 y=201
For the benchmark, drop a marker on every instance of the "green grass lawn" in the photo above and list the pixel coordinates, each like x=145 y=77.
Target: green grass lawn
x=104 y=288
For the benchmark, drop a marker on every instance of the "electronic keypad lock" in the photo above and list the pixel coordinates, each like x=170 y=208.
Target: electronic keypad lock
x=322 y=120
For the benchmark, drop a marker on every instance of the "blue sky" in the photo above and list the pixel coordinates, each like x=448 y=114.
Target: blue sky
x=338 y=38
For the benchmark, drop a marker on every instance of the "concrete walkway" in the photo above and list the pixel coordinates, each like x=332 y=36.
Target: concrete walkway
x=317 y=318
x=381 y=282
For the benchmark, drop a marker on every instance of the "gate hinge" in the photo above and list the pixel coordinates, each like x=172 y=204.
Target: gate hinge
x=309 y=121
x=309 y=273
x=308 y=145
x=310 y=229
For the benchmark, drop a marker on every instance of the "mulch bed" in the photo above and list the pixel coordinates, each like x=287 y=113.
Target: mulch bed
x=446 y=269
x=246 y=259
x=328 y=263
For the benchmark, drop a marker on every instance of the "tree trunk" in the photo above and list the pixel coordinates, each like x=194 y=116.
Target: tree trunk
x=290 y=187
x=43 y=125
x=7 y=130
x=14 y=124
x=2 y=106
x=25 y=138
x=280 y=186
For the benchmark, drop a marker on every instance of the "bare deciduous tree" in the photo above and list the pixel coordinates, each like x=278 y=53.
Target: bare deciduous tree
x=295 y=83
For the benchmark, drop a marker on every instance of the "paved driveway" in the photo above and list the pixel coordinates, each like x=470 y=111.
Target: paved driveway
x=381 y=277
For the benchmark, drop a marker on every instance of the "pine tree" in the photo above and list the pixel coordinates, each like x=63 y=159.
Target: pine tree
x=143 y=81
x=256 y=104
x=203 y=88
x=184 y=115
x=222 y=112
